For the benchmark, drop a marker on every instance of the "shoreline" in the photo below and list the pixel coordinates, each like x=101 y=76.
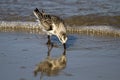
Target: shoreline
x=33 y=27
x=77 y=20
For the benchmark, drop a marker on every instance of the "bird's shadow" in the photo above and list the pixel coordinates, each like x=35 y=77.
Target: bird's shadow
x=51 y=66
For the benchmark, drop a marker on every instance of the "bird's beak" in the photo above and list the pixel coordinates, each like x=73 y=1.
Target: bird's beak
x=64 y=46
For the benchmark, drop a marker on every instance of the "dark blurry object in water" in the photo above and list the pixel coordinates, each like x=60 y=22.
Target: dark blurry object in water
x=51 y=66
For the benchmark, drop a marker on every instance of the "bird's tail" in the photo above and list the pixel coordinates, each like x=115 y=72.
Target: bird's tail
x=38 y=14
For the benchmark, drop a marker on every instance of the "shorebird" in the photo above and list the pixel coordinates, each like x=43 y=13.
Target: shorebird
x=52 y=25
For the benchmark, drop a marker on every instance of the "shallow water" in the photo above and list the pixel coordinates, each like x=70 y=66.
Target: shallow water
x=88 y=57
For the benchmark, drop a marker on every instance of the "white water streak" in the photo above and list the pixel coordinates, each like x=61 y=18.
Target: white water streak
x=19 y=24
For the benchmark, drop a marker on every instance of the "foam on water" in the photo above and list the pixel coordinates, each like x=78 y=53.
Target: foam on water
x=33 y=27
x=16 y=24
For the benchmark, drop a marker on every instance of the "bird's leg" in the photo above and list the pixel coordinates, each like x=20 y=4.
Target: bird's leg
x=64 y=53
x=64 y=46
x=49 y=41
x=49 y=49
x=50 y=46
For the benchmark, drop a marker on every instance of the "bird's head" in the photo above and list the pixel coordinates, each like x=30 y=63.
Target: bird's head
x=38 y=14
x=63 y=38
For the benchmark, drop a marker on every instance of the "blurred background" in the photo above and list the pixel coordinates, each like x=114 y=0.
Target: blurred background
x=75 y=10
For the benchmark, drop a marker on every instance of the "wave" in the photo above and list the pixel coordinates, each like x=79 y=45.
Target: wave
x=93 y=19
x=101 y=30
x=33 y=27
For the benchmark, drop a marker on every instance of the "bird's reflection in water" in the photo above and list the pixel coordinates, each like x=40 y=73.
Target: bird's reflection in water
x=51 y=66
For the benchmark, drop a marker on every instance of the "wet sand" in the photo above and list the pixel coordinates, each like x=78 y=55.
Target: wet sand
x=88 y=57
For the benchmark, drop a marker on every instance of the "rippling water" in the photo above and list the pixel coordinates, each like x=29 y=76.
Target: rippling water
x=88 y=58
x=74 y=12
x=22 y=9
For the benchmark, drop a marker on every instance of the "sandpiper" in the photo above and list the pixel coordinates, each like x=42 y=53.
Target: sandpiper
x=52 y=25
